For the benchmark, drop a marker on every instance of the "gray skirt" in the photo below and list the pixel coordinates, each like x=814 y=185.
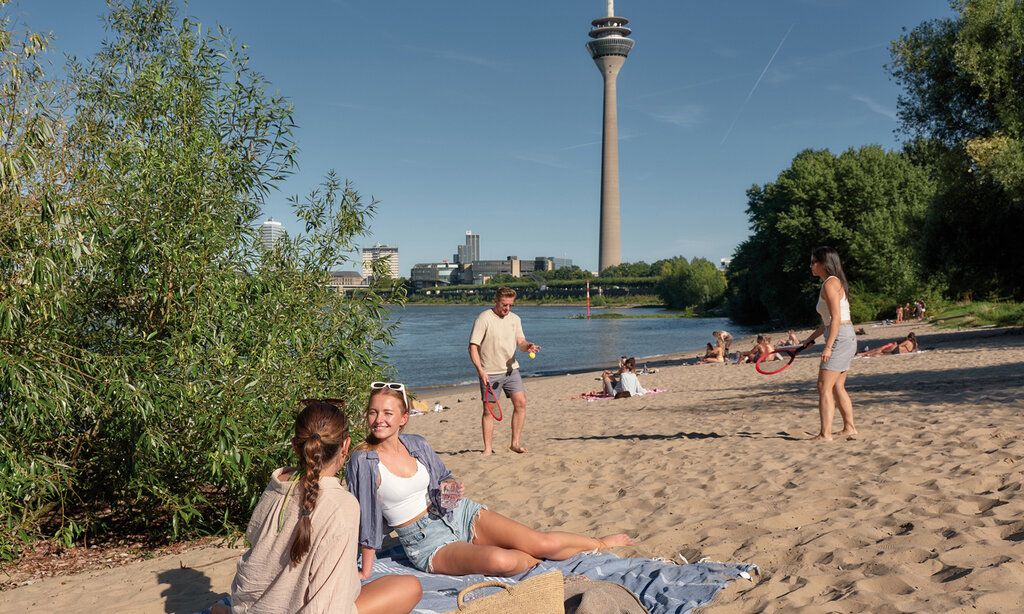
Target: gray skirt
x=843 y=350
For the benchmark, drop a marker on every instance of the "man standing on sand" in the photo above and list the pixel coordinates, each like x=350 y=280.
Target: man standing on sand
x=496 y=334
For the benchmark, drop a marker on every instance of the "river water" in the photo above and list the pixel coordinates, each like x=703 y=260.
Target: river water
x=431 y=341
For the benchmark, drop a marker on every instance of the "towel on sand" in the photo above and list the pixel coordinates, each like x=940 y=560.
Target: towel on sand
x=663 y=588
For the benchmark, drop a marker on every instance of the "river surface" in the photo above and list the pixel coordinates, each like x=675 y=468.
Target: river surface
x=431 y=341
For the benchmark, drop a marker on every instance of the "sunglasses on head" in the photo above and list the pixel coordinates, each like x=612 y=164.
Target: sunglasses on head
x=392 y=386
x=335 y=403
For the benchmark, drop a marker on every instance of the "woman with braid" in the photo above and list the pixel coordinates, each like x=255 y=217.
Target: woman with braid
x=305 y=534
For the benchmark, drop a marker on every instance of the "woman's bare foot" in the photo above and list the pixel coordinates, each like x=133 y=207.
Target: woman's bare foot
x=849 y=433
x=820 y=437
x=518 y=449
x=615 y=541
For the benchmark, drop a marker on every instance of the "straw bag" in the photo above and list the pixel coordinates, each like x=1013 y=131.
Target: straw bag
x=541 y=594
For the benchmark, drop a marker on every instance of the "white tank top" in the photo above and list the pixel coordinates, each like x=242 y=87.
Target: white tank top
x=822 y=307
x=402 y=499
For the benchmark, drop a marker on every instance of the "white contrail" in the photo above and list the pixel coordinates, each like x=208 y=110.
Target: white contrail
x=756 y=83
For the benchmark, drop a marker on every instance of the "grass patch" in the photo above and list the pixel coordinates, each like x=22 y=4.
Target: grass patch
x=980 y=313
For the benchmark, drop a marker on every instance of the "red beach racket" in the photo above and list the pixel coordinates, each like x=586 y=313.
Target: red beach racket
x=491 y=402
x=791 y=352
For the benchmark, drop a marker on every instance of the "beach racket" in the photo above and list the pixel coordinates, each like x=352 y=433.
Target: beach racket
x=491 y=402
x=792 y=352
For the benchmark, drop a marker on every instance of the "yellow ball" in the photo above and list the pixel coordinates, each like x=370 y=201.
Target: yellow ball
x=532 y=355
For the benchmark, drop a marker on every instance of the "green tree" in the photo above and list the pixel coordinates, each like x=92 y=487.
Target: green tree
x=867 y=203
x=697 y=283
x=153 y=356
x=962 y=102
x=630 y=269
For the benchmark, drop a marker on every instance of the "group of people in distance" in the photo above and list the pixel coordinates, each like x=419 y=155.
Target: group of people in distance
x=906 y=311
x=307 y=529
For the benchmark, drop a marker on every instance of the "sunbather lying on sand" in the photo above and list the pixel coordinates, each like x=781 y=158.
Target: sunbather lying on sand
x=906 y=346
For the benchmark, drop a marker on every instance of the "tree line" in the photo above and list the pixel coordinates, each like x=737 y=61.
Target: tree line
x=940 y=218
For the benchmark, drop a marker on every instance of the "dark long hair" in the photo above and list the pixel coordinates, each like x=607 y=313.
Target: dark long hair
x=829 y=257
x=320 y=431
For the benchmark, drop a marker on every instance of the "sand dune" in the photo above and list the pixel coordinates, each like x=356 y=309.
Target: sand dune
x=922 y=513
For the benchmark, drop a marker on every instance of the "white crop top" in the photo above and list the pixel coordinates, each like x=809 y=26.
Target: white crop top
x=822 y=307
x=402 y=499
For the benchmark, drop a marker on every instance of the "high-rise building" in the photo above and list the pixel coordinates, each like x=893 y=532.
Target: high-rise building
x=609 y=48
x=469 y=251
x=271 y=232
x=380 y=252
x=472 y=246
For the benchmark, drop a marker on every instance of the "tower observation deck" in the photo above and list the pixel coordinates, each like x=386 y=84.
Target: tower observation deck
x=609 y=48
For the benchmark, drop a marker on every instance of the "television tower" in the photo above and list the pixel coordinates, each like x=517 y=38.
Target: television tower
x=609 y=48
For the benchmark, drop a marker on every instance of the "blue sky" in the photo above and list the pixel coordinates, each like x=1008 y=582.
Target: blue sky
x=485 y=115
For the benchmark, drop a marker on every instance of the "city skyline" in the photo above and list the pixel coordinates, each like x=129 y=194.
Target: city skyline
x=459 y=133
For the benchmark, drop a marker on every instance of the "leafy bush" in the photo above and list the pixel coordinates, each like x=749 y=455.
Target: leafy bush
x=697 y=283
x=151 y=354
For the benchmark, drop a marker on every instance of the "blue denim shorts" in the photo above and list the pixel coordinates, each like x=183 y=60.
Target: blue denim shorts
x=423 y=538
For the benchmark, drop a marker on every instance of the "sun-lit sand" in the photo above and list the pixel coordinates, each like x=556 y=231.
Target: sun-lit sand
x=923 y=513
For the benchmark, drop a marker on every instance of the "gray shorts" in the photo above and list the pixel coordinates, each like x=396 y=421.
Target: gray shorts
x=509 y=382
x=422 y=539
x=843 y=350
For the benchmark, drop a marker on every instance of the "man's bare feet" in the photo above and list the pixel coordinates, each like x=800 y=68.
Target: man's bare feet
x=487 y=453
x=849 y=433
x=615 y=541
x=518 y=449
x=820 y=437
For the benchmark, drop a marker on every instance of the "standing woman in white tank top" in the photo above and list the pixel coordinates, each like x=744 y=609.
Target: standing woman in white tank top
x=840 y=342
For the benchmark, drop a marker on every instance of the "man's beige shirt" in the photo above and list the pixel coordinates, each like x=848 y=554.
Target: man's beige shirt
x=497 y=337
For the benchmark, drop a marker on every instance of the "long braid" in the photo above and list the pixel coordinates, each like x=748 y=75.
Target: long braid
x=320 y=430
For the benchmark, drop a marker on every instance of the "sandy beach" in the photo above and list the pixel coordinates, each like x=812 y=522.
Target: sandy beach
x=922 y=513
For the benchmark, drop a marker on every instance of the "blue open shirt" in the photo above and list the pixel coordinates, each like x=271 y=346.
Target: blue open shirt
x=361 y=473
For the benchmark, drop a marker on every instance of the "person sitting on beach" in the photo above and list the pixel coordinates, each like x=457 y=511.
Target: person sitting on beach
x=628 y=384
x=717 y=353
x=709 y=351
x=402 y=484
x=304 y=533
x=762 y=347
x=906 y=346
x=792 y=339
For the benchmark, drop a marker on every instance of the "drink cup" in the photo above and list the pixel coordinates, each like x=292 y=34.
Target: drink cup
x=450 y=494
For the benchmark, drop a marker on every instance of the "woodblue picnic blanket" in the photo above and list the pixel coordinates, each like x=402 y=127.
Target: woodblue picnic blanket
x=663 y=587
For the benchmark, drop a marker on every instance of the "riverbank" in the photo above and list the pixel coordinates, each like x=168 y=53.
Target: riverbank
x=921 y=513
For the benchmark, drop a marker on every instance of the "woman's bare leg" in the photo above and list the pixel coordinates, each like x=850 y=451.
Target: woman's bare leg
x=461 y=558
x=842 y=399
x=826 y=402
x=493 y=529
x=388 y=595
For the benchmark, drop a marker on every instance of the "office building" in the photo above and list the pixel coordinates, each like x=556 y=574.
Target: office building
x=271 y=232
x=339 y=280
x=380 y=252
x=469 y=251
x=430 y=274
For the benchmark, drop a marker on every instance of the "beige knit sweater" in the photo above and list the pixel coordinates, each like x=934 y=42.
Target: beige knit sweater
x=326 y=580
